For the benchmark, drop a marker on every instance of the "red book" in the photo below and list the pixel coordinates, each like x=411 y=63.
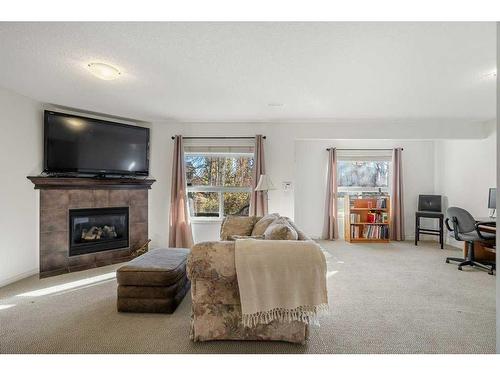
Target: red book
x=370 y=217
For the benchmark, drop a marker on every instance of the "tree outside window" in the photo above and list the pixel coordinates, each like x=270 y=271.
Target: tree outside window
x=368 y=174
x=218 y=184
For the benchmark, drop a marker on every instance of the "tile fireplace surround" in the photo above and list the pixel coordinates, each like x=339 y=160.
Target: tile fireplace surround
x=59 y=195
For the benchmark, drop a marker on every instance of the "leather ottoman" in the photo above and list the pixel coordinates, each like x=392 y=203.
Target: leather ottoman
x=155 y=282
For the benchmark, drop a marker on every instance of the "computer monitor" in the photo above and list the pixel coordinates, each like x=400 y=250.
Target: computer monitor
x=429 y=203
x=492 y=199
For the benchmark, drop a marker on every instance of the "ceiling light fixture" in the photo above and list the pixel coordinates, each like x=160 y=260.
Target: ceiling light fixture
x=275 y=104
x=104 y=71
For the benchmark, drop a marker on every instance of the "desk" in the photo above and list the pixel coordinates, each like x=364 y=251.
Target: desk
x=481 y=253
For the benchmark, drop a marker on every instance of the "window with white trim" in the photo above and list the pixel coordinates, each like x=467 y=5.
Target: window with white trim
x=361 y=172
x=218 y=181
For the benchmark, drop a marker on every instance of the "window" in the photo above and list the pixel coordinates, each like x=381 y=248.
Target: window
x=361 y=172
x=356 y=177
x=369 y=175
x=218 y=184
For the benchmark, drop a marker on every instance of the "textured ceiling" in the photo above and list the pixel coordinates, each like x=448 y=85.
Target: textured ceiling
x=234 y=71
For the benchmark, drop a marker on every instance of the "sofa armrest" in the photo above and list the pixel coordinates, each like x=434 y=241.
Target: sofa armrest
x=211 y=261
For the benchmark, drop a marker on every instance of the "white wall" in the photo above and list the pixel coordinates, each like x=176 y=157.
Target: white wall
x=281 y=156
x=311 y=169
x=21 y=123
x=465 y=170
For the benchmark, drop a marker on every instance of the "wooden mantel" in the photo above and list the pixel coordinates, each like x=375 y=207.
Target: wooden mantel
x=44 y=182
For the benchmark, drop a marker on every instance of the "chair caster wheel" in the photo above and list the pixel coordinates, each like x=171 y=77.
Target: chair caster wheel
x=460 y=268
x=447 y=261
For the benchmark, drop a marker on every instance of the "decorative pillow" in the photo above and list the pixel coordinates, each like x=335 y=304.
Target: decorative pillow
x=280 y=229
x=235 y=237
x=301 y=236
x=236 y=225
x=261 y=225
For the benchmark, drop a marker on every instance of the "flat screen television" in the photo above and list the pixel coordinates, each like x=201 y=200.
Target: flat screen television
x=81 y=145
x=492 y=199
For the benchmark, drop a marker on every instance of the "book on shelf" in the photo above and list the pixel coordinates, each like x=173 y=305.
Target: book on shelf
x=381 y=202
x=355 y=233
x=377 y=217
x=372 y=232
x=376 y=232
x=355 y=218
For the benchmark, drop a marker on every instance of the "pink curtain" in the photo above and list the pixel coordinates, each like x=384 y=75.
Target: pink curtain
x=397 y=205
x=331 y=230
x=180 y=233
x=258 y=199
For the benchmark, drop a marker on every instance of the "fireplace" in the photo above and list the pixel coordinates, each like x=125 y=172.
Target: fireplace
x=61 y=247
x=93 y=230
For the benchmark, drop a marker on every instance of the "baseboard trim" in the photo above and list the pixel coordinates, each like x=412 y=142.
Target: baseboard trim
x=21 y=276
x=411 y=237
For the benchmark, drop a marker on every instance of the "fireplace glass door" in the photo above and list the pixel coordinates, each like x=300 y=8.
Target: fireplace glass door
x=98 y=229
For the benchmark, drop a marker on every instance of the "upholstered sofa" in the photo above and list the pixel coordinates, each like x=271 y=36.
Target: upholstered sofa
x=216 y=307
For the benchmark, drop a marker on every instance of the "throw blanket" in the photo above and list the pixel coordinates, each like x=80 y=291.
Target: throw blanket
x=280 y=280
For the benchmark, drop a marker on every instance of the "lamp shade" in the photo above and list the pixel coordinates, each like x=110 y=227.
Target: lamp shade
x=264 y=184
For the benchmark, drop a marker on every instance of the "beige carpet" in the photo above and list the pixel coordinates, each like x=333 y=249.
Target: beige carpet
x=394 y=298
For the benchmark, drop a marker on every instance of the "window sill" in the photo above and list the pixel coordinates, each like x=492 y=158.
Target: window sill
x=206 y=220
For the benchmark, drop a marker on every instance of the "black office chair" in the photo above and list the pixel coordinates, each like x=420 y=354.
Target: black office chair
x=465 y=228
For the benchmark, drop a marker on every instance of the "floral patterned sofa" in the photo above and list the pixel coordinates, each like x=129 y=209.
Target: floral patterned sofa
x=216 y=307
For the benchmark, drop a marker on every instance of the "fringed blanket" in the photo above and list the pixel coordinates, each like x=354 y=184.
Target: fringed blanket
x=280 y=280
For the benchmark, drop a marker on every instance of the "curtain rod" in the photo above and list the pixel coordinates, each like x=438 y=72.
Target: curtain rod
x=362 y=149
x=219 y=137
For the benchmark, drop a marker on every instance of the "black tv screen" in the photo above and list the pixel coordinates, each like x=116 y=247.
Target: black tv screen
x=75 y=144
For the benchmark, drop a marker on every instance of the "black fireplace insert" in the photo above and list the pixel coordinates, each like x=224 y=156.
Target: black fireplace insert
x=98 y=229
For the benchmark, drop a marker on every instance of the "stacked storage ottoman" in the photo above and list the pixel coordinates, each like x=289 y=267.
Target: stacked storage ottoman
x=155 y=282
